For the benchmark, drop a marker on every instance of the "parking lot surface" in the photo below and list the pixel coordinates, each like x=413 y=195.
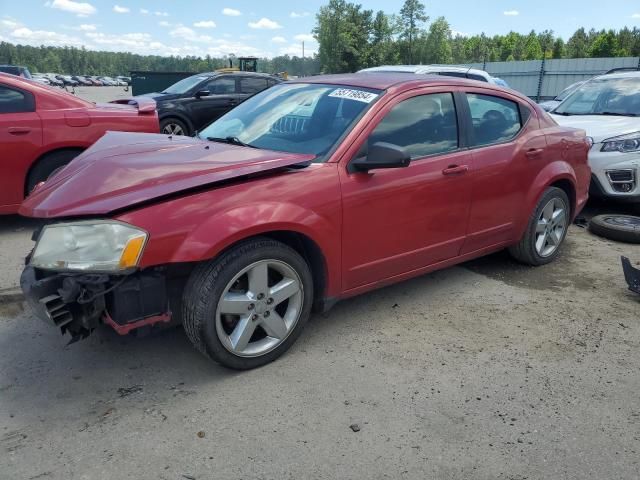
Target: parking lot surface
x=489 y=370
x=102 y=94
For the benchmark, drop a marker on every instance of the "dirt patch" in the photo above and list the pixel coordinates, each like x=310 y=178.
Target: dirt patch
x=11 y=303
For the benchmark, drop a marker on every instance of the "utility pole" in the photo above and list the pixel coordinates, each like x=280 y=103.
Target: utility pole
x=302 y=68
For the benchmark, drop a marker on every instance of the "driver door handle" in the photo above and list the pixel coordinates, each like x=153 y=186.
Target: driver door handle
x=18 y=130
x=455 y=170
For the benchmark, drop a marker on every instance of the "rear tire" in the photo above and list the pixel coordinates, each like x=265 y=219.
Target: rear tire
x=546 y=230
x=47 y=166
x=236 y=319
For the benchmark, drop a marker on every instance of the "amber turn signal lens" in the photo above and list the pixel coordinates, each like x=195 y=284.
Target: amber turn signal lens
x=131 y=253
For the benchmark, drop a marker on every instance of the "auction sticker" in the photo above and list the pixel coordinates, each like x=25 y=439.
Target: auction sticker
x=358 y=95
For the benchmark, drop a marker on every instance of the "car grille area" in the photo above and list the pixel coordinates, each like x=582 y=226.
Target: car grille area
x=622 y=180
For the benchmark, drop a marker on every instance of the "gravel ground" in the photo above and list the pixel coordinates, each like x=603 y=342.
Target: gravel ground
x=489 y=370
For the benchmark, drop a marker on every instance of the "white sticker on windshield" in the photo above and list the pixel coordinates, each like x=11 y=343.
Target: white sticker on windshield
x=358 y=95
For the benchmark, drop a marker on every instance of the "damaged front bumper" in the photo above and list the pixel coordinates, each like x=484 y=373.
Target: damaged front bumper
x=77 y=303
x=631 y=275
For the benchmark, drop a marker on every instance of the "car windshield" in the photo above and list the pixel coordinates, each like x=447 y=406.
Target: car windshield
x=567 y=91
x=604 y=96
x=296 y=118
x=186 y=84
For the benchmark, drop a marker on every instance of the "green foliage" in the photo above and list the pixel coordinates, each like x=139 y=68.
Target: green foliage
x=437 y=43
x=412 y=16
x=404 y=39
x=578 y=44
x=605 y=45
x=78 y=61
x=558 y=49
x=348 y=36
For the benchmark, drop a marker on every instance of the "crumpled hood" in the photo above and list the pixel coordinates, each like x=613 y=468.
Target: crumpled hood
x=600 y=127
x=124 y=169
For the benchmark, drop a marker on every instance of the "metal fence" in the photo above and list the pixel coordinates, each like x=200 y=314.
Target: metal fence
x=544 y=79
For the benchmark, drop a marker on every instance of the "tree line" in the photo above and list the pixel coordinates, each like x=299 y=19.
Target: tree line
x=351 y=37
x=72 y=61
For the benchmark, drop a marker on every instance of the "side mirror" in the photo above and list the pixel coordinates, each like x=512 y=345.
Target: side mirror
x=381 y=155
x=202 y=93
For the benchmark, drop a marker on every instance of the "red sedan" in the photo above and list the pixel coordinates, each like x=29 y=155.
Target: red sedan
x=43 y=128
x=307 y=193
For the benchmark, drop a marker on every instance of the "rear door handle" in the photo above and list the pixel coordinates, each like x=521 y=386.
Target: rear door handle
x=534 y=152
x=19 y=130
x=455 y=170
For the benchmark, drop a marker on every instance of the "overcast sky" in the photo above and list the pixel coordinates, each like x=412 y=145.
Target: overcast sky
x=269 y=27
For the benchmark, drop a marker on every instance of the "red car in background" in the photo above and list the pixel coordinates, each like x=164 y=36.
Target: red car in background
x=306 y=193
x=42 y=129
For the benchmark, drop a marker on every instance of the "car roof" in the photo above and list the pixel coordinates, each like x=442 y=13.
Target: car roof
x=426 y=69
x=632 y=74
x=382 y=80
x=239 y=73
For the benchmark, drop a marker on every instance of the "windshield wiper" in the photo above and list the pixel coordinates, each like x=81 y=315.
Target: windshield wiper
x=230 y=141
x=565 y=114
x=617 y=114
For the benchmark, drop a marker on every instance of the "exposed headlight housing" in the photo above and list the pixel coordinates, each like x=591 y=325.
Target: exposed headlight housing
x=624 y=143
x=89 y=246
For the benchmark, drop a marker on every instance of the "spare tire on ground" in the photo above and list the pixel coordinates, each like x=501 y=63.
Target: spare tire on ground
x=623 y=228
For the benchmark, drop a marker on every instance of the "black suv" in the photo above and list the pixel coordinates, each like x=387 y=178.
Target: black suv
x=194 y=102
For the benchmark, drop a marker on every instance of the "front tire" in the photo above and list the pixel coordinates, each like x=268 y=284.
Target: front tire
x=173 y=126
x=47 y=166
x=546 y=230
x=246 y=308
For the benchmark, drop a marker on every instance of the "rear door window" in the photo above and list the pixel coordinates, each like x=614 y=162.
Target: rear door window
x=15 y=101
x=222 y=86
x=252 y=85
x=495 y=119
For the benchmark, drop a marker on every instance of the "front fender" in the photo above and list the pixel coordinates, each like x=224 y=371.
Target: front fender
x=229 y=227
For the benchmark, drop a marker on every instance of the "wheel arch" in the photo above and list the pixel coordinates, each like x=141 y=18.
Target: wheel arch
x=556 y=174
x=25 y=179
x=566 y=185
x=308 y=249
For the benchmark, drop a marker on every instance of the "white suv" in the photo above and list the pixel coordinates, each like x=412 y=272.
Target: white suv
x=608 y=109
x=447 y=70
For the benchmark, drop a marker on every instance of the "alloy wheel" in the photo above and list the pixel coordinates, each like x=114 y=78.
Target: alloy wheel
x=259 y=308
x=172 y=129
x=551 y=227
